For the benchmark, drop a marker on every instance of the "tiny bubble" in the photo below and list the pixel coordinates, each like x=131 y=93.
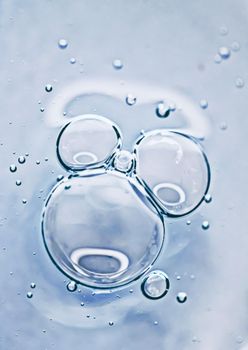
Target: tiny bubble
x=182 y=297
x=13 y=168
x=21 y=160
x=131 y=99
x=117 y=64
x=204 y=104
x=71 y=286
x=29 y=295
x=62 y=43
x=48 y=88
x=72 y=60
x=224 y=52
x=205 y=225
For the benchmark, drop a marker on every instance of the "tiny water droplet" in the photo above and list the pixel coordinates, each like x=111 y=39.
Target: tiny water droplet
x=205 y=225
x=21 y=160
x=156 y=285
x=204 y=104
x=67 y=187
x=62 y=43
x=239 y=340
x=72 y=60
x=239 y=82
x=117 y=64
x=48 y=88
x=29 y=295
x=182 y=297
x=224 y=52
x=71 y=286
x=208 y=198
x=13 y=168
x=131 y=99
x=163 y=110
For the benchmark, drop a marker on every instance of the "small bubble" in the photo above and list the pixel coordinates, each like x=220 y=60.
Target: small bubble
x=163 y=110
x=235 y=46
x=13 y=168
x=205 y=225
x=223 y=30
x=182 y=297
x=21 y=160
x=48 y=88
x=208 y=198
x=72 y=60
x=24 y=201
x=188 y=222
x=37 y=162
x=239 y=340
x=178 y=277
x=18 y=182
x=71 y=286
x=82 y=304
x=204 y=104
x=156 y=285
x=239 y=82
x=131 y=99
x=62 y=43
x=131 y=291
x=223 y=126
x=123 y=161
x=117 y=64
x=42 y=109
x=67 y=187
x=224 y=52
x=111 y=323
x=217 y=58
x=60 y=177
x=32 y=285
x=155 y=323
x=29 y=295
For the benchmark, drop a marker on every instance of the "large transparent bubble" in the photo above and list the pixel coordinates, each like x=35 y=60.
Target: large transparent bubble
x=174 y=169
x=101 y=228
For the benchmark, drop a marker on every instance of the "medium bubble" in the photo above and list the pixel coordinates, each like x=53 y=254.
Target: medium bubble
x=62 y=43
x=117 y=64
x=131 y=99
x=13 y=168
x=48 y=88
x=163 y=110
x=182 y=297
x=21 y=160
x=205 y=225
x=156 y=285
x=224 y=52
x=71 y=286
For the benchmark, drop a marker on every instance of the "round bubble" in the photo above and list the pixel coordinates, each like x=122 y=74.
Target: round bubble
x=174 y=169
x=156 y=285
x=88 y=141
x=101 y=229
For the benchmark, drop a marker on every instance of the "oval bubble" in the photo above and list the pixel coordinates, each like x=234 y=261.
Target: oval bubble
x=174 y=169
x=89 y=141
x=101 y=229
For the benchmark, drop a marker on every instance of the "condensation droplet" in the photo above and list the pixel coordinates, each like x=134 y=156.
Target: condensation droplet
x=42 y=109
x=62 y=43
x=224 y=52
x=188 y=222
x=131 y=99
x=182 y=297
x=71 y=286
x=21 y=160
x=13 y=168
x=156 y=285
x=48 y=88
x=117 y=64
x=205 y=225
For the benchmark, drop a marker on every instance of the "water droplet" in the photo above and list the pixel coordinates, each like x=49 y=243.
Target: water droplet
x=18 y=182
x=224 y=52
x=29 y=295
x=156 y=285
x=111 y=323
x=235 y=46
x=21 y=160
x=204 y=104
x=24 y=201
x=117 y=64
x=208 y=198
x=163 y=110
x=239 y=82
x=223 y=30
x=131 y=99
x=205 y=225
x=72 y=60
x=62 y=43
x=162 y=157
x=182 y=297
x=48 y=88
x=32 y=285
x=88 y=142
x=13 y=168
x=123 y=161
x=71 y=286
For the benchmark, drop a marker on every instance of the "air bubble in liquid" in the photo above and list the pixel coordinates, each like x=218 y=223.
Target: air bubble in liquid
x=205 y=225
x=88 y=141
x=48 y=88
x=174 y=170
x=103 y=232
x=224 y=52
x=131 y=99
x=182 y=297
x=163 y=110
x=21 y=160
x=71 y=286
x=62 y=43
x=123 y=161
x=117 y=64
x=18 y=182
x=156 y=285
x=239 y=82
x=72 y=60
x=13 y=168
x=204 y=104
x=29 y=295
